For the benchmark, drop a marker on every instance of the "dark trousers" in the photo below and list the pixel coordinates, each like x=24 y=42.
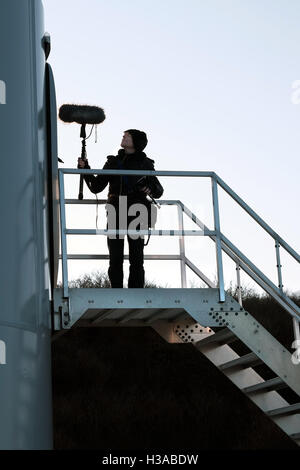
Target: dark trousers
x=116 y=259
x=136 y=262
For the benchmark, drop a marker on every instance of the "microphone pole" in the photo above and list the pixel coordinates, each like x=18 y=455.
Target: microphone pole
x=83 y=157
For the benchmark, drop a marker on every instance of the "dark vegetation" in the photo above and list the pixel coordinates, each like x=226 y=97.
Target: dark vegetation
x=126 y=388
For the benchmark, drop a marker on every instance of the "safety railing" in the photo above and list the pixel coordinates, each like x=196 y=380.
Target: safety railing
x=221 y=242
x=181 y=233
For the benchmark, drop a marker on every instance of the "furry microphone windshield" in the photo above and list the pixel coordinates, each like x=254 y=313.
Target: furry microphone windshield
x=82 y=114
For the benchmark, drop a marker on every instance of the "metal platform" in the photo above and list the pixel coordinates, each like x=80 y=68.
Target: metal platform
x=93 y=306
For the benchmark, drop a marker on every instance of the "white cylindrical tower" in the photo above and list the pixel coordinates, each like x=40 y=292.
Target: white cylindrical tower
x=25 y=326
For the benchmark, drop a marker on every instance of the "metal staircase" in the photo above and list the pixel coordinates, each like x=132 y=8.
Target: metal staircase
x=208 y=317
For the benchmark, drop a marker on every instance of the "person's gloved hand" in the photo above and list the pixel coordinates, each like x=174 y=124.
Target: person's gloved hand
x=146 y=190
x=83 y=164
x=142 y=186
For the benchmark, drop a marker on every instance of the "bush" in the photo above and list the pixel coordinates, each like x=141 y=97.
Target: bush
x=99 y=279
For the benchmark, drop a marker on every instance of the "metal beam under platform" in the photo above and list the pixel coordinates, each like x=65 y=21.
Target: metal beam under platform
x=140 y=307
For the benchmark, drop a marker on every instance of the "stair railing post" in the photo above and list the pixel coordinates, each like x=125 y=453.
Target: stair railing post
x=278 y=265
x=296 y=343
x=239 y=289
x=64 y=254
x=181 y=247
x=296 y=330
x=280 y=285
x=218 y=239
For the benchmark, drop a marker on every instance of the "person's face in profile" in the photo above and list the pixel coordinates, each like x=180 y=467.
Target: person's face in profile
x=127 y=141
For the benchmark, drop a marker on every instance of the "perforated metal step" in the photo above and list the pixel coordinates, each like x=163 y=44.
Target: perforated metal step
x=224 y=336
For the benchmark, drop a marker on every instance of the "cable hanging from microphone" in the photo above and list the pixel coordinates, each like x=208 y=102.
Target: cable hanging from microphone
x=90 y=132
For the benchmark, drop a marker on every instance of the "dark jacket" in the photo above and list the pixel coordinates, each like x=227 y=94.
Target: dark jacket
x=125 y=184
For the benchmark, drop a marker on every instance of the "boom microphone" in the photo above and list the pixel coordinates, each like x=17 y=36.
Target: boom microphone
x=82 y=114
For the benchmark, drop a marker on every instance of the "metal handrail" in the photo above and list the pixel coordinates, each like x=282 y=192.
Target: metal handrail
x=258 y=219
x=74 y=171
x=201 y=174
x=222 y=243
x=250 y=268
x=180 y=233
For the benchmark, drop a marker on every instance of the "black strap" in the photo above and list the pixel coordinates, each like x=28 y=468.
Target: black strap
x=149 y=235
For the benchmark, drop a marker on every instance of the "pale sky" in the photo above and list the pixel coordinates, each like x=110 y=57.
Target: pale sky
x=210 y=82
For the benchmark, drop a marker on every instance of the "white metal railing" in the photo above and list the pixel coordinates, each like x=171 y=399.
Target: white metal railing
x=221 y=242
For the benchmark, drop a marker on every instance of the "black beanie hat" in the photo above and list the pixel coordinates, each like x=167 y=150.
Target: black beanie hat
x=139 y=139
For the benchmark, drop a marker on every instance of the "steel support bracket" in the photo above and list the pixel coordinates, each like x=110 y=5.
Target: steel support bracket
x=62 y=317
